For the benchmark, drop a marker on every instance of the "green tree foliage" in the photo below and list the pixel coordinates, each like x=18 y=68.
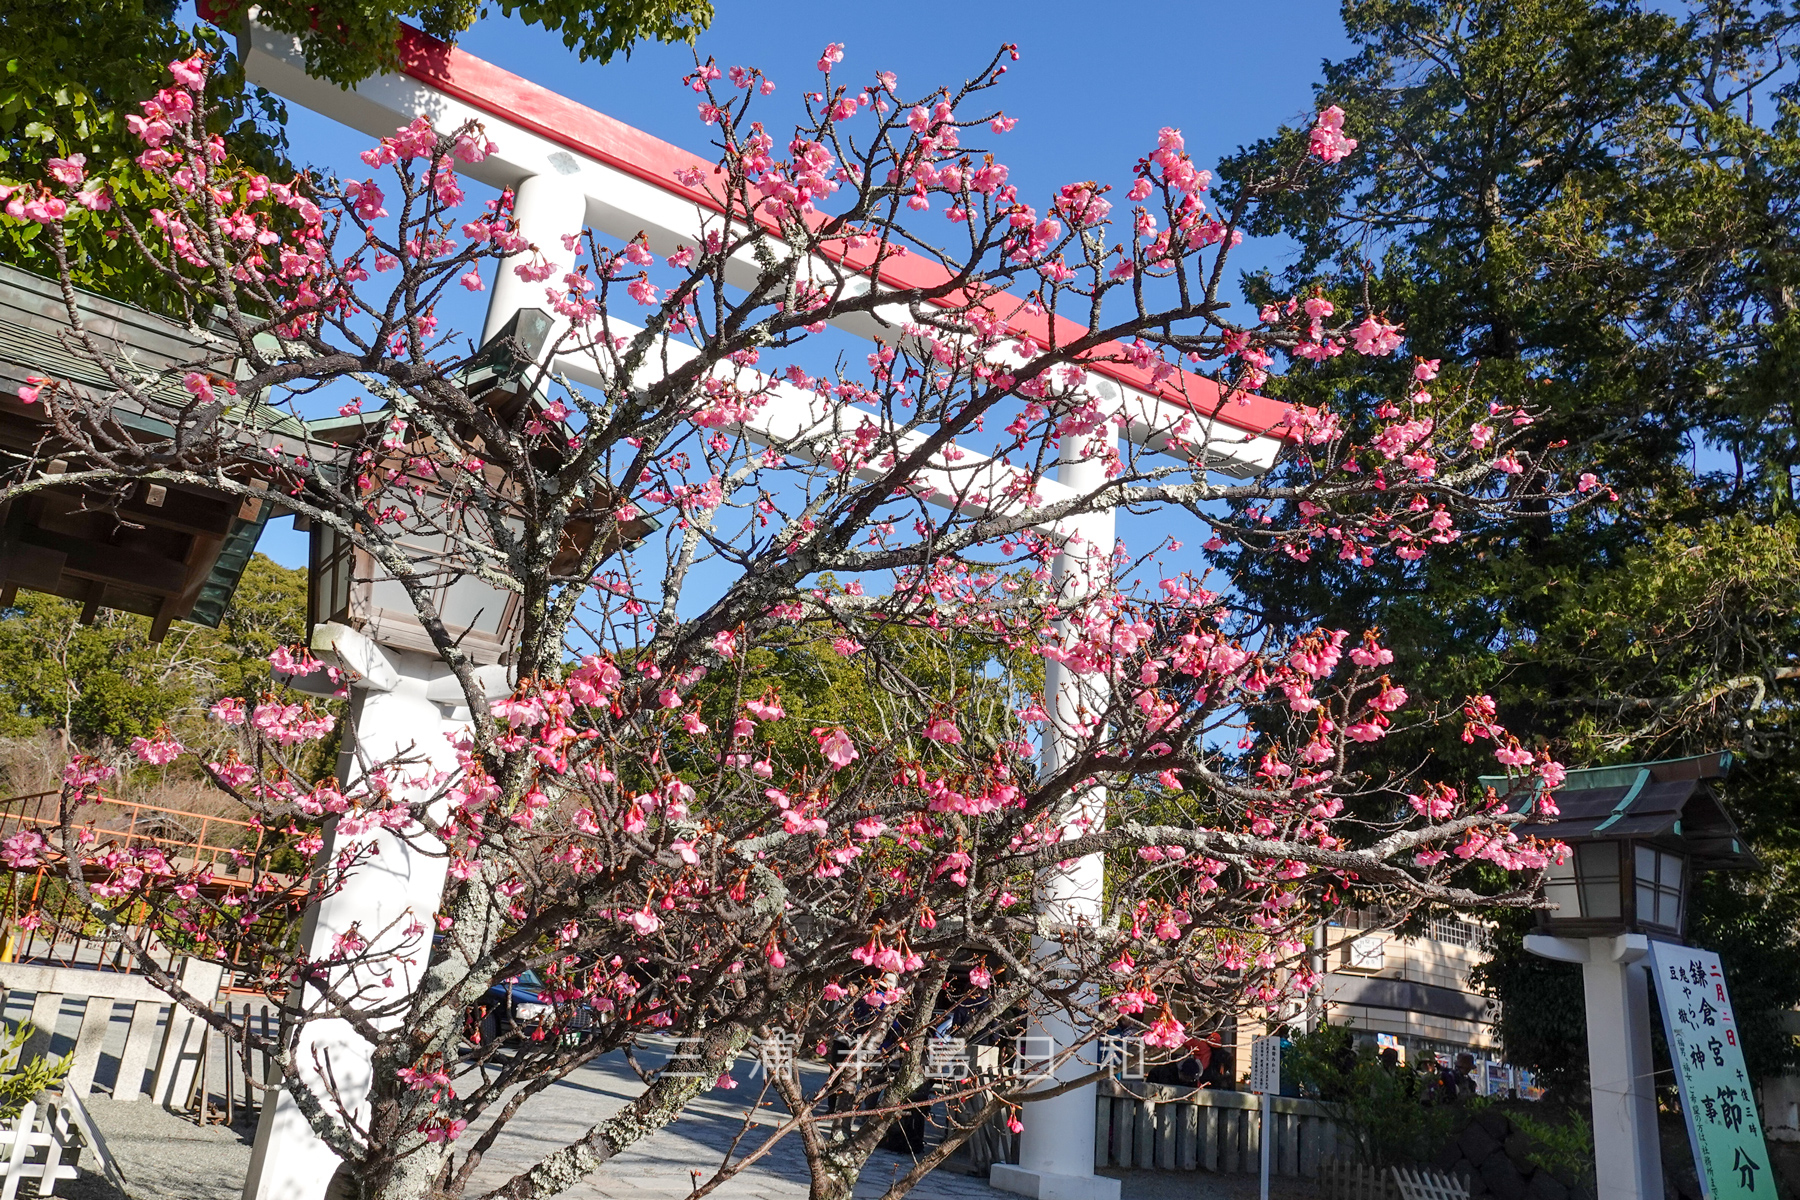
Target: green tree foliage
x=1588 y=203
x=346 y=41
x=1686 y=642
x=821 y=683
x=100 y=685
x=72 y=73
x=95 y=684
x=21 y=1081
x=1380 y=1106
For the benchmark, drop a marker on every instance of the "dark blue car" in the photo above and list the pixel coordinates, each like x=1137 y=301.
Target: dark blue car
x=516 y=1009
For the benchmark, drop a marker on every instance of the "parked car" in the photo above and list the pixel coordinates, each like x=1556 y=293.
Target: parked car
x=517 y=1009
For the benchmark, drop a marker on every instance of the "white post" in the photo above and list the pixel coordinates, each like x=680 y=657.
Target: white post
x=1056 y=1151
x=1627 y=1151
x=399 y=710
x=1265 y=1079
x=391 y=899
x=1266 y=1136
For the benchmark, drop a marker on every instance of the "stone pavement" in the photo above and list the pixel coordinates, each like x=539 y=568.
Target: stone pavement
x=167 y=1157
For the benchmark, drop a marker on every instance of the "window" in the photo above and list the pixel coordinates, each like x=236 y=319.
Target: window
x=1458 y=932
x=1598 y=864
x=333 y=558
x=1658 y=887
x=1560 y=889
x=1587 y=885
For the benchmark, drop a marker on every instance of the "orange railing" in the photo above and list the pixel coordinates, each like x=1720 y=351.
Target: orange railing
x=188 y=840
x=135 y=825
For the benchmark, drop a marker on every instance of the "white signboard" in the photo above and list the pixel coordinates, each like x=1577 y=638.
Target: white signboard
x=1265 y=1066
x=1716 y=1094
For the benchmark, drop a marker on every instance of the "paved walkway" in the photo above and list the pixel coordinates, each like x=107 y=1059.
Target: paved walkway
x=166 y=1157
x=169 y=1157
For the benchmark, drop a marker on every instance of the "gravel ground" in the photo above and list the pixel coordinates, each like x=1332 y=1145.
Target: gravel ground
x=163 y=1156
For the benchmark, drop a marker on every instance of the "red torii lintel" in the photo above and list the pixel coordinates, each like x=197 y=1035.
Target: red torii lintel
x=556 y=118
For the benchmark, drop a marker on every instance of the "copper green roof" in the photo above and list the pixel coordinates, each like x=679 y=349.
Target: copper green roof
x=1673 y=801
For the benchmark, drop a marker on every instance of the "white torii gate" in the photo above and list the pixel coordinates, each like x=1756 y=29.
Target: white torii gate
x=572 y=168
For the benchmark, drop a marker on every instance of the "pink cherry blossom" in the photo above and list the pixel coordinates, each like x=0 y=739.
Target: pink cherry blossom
x=229 y=711
x=190 y=73
x=68 y=171
x=1376 y=337
x=84 y=772
x=164 y=749
x=22 y=849
x=1166 y=1032
x=1513 y=754
x=836 y=746
x=1327 y=140
x=945 y=731
x=444 y=1130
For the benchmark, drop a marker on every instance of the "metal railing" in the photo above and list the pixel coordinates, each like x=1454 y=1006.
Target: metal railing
x=45 y=923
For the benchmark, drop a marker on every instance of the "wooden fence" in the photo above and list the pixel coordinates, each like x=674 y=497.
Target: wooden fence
x=1147 y=1126
x=249 y=1073
x=178 y=1051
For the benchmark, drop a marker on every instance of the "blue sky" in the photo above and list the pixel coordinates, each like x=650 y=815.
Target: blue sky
x=1091 y=89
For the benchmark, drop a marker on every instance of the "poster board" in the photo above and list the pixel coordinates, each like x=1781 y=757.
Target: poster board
x=1717 y=1096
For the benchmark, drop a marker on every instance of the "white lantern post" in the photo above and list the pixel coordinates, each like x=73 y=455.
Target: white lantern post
x=407 y=711
x=401 y=708
x=1637 y=834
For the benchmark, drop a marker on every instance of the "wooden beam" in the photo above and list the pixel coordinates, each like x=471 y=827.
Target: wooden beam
x=91 y=609
x=182 y=510
x=165 y=614
x=135 y=569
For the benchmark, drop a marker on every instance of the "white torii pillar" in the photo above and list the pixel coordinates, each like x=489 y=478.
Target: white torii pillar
x=1056 y=1151
x=547 y=208
x=1615 y=983
x=405 y=704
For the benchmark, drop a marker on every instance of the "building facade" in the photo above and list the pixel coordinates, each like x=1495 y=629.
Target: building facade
x=1411 y=992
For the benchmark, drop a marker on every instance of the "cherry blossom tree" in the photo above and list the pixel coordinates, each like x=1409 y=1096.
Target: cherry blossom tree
x=653 y=820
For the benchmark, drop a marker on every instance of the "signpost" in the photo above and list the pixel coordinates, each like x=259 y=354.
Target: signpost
x=1729 y=1153
x=1265 y=1077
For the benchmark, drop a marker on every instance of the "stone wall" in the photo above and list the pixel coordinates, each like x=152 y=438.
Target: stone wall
x=1501 y=1161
